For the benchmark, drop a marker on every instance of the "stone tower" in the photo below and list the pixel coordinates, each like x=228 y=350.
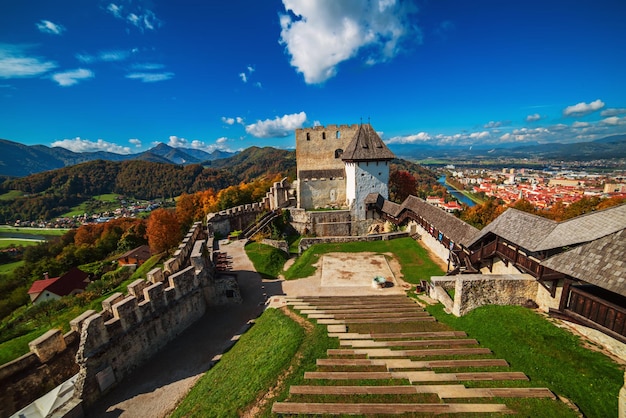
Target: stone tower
x=366 y=160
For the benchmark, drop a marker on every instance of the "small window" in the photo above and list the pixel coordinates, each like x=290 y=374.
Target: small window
x=338 y=134
x=338 y=153
x=323 y=135
x=308 y=136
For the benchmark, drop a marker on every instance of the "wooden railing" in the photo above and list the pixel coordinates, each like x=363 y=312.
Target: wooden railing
x=597 y=311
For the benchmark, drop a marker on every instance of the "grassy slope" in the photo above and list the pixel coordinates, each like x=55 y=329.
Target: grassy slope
x=267 y=260
x=550 y=356
x=416 y=263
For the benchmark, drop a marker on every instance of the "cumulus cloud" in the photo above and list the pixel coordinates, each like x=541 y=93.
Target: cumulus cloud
x=613 y=112
x=582 y=108
x=232 y=121
x=410 y=139
x=533 y=118
x=46 y=26
x=150 y=77
x=221 y=140
x=177 y=142
x=613 y=120
x=84 y=145
x=135 y=15
x=278 y=127
x=322 y=34
x=104 y=56
x=15 y=63
x=243 y=77
x=69 y=78
x=136 y=142
x=580 y=124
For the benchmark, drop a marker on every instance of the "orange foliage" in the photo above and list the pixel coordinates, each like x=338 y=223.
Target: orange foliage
x=163 y=230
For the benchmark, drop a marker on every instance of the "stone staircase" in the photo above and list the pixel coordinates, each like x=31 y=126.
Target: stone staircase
x=395 y=359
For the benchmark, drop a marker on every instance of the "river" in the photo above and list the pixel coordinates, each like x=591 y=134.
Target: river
x=457 y=195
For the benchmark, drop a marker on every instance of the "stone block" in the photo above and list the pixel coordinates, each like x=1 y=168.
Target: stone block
x=108 y=303
x=127 y=312
x=97 y=333
x=155 y=295
x=183 y=281
x=136 y=288
x=155 y=275
x=76 y=324
x=48 y=345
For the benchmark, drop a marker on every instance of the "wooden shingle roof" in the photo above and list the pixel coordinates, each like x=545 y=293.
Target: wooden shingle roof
x=601 y=262
x=535 y=233
x=367 y=146
x=458 y=231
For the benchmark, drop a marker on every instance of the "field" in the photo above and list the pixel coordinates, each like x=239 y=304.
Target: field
x=100 y=203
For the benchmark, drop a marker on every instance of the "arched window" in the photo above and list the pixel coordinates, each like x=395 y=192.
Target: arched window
x=338 y=153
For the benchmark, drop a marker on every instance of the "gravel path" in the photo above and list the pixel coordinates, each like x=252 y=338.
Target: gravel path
x=156 y=387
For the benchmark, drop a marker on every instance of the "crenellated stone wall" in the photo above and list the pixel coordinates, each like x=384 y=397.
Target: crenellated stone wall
x=132 y=328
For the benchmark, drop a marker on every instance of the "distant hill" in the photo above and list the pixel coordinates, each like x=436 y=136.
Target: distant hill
x=19 y=160
x=51 y=193
x=604 y=148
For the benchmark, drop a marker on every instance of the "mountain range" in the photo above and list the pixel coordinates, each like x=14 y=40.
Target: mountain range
x=19 y=160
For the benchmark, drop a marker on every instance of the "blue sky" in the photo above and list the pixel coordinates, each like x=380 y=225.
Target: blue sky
x=123 y=75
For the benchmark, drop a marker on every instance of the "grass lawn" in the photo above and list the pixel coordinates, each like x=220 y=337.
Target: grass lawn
x=11 y=195
x=33 y=231
x=416 y=263
x=9 y=267
x=268 y=261
x=250 y=368
x=12 y=242
x=550 y=356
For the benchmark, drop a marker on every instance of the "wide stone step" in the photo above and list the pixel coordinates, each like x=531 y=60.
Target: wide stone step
x=407 y=343
x=396 y=335
x=443 y=391
x=385 y=352
x=384 y=408
x=423 y=376
x=410 y=364
x=368 y=310
x=376 y=315
x=396 y=320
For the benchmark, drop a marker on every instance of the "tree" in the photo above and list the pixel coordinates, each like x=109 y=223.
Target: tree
x=163 y=230
x=401 y=185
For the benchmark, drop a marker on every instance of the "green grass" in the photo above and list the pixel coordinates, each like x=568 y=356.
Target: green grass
x=13 y=242
x=33 y=231
x=549 y=355
x=267 y=260
x=9 y=267
x=260 y=356
x=97 y=203
x=416 y=263
x=11 y=195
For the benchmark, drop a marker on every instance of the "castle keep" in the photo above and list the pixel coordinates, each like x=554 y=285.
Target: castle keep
x=339 y=165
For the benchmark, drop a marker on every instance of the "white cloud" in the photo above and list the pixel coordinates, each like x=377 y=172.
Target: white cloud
x=492 y=124
x=104 y=56
x=479 y=135
x=582 y=108
x=177 y=142
x=228 y=121
x=84 y=145
x=239 y=120
x=533 y=118
x=149 y=66
x=143 y=19
x=150 y=77
x=580 y=124
x=136 y=142
x=243 y=77
x=221 y=140
x=613 y=120
x=46 y=26
x=410 y=139
x=278 y=127
x=250 y=69
x=327 y=32
x=14 y=63
x=613 y=112
x=69 y=78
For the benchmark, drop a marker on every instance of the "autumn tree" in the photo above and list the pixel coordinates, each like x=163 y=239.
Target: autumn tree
x=481 y=215
x=163 y=230
x=401 y=185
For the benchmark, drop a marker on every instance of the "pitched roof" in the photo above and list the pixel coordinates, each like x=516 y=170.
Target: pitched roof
x=366 y=145
x=535 y=233
x=458 y=231
x=600 y=262
x=70 y=281
x=142 y=252
x=39 y=286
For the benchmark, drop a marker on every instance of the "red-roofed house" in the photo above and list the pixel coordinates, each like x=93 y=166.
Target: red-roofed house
x=136 y=256
x=71 y=283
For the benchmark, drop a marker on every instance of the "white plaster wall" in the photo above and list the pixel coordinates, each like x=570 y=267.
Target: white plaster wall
x=545 y=301
x=499 y=267
x=350 y=183
x=371 y=177
x=431 y=242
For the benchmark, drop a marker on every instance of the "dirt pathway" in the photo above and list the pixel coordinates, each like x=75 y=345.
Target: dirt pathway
x=156 y=387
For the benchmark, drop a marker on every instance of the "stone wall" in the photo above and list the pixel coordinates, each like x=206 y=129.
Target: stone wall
x=49 y=363
x=131 y=328
x=429 y=241
x=474 y=290
x=322 y=192
x=280 y=244
x=306 y=243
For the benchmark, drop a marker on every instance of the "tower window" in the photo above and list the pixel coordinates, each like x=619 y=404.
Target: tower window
x=338 y=153
x=323 y=135
x=308 y=136
x=338 y=134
